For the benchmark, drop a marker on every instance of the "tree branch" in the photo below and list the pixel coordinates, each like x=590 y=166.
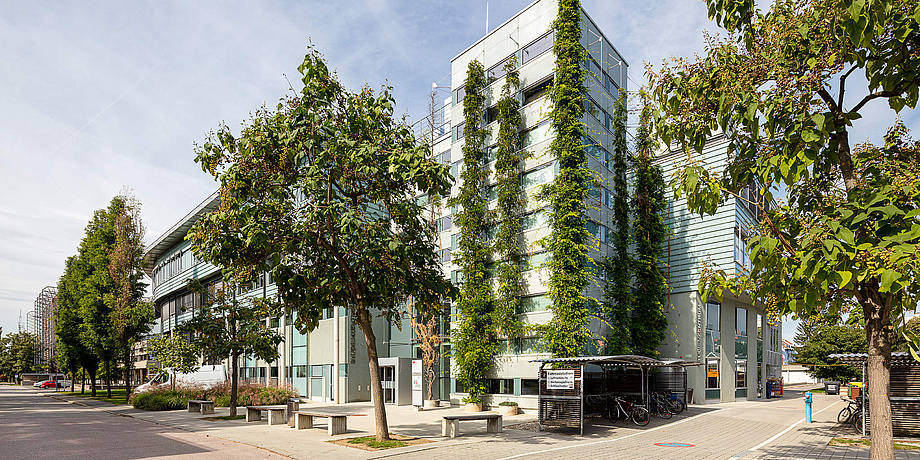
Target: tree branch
x=843 y=84
x=769 y=221
x=826 y=97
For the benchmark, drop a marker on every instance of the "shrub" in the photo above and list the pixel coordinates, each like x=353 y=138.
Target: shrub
x=472 y=399
x=507 y=403
x=248 y=394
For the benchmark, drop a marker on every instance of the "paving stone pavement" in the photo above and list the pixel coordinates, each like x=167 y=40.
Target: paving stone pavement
x=771 y=429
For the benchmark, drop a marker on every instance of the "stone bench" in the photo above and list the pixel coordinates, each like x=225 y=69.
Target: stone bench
x=304 y=420
x=201 y=406
x=450 y=425
x=276 y=414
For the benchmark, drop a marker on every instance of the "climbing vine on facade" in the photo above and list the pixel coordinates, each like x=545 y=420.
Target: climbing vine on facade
x=649 y=321
x=619 y=266
x=475 y=339
x=509 y=246
x=567 y=333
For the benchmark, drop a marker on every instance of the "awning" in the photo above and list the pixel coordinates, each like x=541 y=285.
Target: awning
x=623 y=360
x=858 y=359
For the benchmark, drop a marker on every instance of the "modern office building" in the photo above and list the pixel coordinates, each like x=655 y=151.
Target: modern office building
x=737 y=344
x=330 y=363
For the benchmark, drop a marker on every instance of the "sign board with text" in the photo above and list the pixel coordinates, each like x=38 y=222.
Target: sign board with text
x=560 y=380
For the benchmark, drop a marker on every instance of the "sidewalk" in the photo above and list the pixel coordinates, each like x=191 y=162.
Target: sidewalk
x=745 y=429
x=311 y=443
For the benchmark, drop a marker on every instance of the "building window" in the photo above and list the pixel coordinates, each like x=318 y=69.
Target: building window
x=459 y=93
x=537 y=90
x=530 y=387
x=741 y=255
x=741 y=345
x=501 y=386
x=538 y=133
x=713 y=336
x=741 y=375
x=534 y=303
x=542 y=175
x=712 y=373
x=496 y=71
x=538 y=47
x=445 y=255
x=458 y=132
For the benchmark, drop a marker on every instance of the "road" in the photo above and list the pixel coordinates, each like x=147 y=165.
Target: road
x=34 y=426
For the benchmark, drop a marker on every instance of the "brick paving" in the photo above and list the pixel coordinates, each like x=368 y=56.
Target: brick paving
x=771 y=429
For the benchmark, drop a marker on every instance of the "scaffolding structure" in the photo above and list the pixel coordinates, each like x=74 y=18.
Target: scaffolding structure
x=43 y=328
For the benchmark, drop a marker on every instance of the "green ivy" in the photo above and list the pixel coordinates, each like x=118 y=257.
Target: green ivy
x=567 y=333
x=508 y=244
x=619 y=267
x=649 y=321
x=475 y=340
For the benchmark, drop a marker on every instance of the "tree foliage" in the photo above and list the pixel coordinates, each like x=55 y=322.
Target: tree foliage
x=649 y=322
x=17 y=354
x=567 y=333
x=509 y=245
x=828 y=339
x=617 y=290
x=475 y=341
x=322 y=192
x=227 y=326
x=778 y=88
x=174 y=352
x=72 y=353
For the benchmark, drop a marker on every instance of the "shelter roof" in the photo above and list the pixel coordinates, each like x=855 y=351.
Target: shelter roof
x=623 y=360
x=854 y=359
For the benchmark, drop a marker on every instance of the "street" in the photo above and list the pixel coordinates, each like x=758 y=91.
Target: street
x=35 y=426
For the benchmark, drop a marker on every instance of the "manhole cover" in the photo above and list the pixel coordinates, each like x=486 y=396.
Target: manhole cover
x=673 y=444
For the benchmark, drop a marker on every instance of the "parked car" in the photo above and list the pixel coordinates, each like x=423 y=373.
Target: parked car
x=205 y=376
x=50 y=384
x=39 y=383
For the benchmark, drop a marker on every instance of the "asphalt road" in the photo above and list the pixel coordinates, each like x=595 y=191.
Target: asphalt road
x=35 y=426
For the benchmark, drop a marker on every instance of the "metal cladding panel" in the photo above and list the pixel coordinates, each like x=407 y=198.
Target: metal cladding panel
x=561 y=408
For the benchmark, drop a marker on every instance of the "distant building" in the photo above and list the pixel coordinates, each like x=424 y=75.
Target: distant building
x=43 y=328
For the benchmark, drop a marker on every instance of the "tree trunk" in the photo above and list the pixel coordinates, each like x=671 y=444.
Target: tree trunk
x=92 y=383
x=234 y=379
x=128 y=366
x=380 y=413
x=878 y=368
x=83 y=382
x=108 y=379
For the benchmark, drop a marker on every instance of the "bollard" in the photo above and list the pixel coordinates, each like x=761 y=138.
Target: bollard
x=807 y=407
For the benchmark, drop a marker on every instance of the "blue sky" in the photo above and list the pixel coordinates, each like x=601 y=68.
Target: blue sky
x=98 y=96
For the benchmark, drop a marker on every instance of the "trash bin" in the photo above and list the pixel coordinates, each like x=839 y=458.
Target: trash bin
x=293 y=405
x=689 y=396
x=832 y=388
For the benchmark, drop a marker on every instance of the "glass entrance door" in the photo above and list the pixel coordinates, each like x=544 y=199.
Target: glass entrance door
x=388 y=382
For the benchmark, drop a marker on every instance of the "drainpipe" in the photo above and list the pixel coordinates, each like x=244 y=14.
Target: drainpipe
x=335 y=354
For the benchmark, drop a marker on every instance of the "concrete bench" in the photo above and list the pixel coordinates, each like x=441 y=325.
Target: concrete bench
x=450 y=425
x=201 y=406
x=276 y=414
x=304 y=419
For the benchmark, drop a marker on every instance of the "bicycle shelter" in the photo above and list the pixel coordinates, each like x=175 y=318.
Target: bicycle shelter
x=903 y=391
x=568 y=391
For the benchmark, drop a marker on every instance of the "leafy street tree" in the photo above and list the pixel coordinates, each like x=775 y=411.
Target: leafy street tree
x=17 y=354
x=131 y=316
x=827 y=339
x=72 y=353
x=226 y=326
x=649 y=322
x=322 y=192
x=176 y=353
x=783 y=89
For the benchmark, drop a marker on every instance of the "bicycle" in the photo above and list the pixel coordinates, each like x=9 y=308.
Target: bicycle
x=631 y=412
x=853 y=406
x=660 y=405
x=675 y=405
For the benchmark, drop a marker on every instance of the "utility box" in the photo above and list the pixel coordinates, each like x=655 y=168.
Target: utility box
x=832 y=388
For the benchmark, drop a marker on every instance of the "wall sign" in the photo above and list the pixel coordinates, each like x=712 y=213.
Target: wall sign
x=560 y=380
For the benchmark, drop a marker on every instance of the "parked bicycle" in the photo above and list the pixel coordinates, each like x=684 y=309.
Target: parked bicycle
x=618 y=408
x=660 y=405
x=675 y=404
x=846 y=414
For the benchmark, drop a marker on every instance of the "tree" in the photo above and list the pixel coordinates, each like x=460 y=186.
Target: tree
x=72 y=353
x=227 y=326
x=17 y=354
x=567 y=333
x=780 y=89
x=475 y=342
x=649 y=322
x=829 y=339
x=131 y=316
x=322 y=192
x=429 y=341
x=175 y=352
x=617 y=290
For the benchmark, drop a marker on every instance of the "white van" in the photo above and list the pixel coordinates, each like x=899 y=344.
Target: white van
x=207 y=376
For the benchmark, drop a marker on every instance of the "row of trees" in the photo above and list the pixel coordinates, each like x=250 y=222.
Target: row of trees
x=100 y=311
x=17 y=355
